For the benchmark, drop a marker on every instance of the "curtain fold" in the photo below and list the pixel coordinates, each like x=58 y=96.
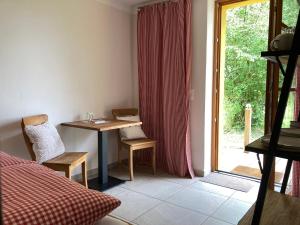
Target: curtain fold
x=164 y=67
x=296 y=165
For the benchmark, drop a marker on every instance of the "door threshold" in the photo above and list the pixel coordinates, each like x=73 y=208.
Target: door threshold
x=254 y=179
x=238 y=175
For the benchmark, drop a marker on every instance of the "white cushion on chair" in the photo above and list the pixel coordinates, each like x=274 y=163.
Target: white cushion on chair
x=134 y=132
x=46 y=141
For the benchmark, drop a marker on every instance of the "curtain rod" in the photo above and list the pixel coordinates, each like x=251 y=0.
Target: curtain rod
x=153 y=3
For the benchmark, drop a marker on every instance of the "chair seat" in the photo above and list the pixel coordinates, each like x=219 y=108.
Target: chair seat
x=68 y=158
x=134 y=144
x=139 y=142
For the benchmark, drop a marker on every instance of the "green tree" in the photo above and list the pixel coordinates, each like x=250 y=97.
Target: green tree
x=290 y=11
x=245 y=70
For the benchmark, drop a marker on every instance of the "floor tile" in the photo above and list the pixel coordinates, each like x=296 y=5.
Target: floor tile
x=114 y=191
x=249 y=197
x=136 y=182
x=141 y=175
x=157 y=188
x=166 y=199
x=108 y=220
x=212 y=221
x=144 y=173
x=167 y=214
x=182 y=181
x=133 y=205
x=232 y=211
x=178 y=180
x=213 y=188
x=121 y=172
x=201 y=201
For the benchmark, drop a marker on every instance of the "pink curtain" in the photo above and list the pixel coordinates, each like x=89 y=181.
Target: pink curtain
x=296 y=165
x=164 y=63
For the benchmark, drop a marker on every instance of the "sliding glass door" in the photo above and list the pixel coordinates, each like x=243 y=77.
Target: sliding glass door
x=246 y=87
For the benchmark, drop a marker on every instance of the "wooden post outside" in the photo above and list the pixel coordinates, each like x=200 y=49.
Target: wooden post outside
x=247 y=131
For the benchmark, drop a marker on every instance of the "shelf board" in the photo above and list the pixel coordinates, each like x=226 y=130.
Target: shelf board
x=289 y=153
x=279 y=209
x=282 y=55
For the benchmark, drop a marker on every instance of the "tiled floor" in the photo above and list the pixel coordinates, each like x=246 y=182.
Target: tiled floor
x=167 y=200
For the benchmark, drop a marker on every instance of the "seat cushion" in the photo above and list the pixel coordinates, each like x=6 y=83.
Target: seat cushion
x=134 y=132
x=46 y=141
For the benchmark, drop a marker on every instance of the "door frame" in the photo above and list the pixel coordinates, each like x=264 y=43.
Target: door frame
x=272 y=75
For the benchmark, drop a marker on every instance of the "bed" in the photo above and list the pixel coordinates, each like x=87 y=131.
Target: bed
x=36 y=195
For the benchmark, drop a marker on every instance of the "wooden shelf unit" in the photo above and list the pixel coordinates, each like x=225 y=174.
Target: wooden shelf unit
x=282 y=56
x=278 y=208
x=260 y=148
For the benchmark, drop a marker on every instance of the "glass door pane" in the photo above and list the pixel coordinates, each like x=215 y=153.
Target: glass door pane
x=242 y=84
x=290 y=10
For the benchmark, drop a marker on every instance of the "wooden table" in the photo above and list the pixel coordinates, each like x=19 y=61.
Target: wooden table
x=103 y=181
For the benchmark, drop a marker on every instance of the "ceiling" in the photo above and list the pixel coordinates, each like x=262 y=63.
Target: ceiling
x=126 y=5
x=133 y=2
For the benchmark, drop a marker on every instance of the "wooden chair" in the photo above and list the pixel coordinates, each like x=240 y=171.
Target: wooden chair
x=136 y=144
x=65 y=162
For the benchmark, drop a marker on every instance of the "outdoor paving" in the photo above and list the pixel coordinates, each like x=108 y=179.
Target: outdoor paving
x=232 y=154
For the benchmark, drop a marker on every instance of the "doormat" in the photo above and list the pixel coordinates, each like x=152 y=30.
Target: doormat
x=228 y=181
x=254 y=172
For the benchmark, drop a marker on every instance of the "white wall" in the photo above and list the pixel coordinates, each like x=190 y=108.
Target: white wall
x=63 y=58
x=201 y=104
x=202 y=71
x=67 y=57
x=135 y=62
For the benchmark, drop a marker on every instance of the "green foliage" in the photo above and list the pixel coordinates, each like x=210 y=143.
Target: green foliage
x=245 y=70
x=290 y=11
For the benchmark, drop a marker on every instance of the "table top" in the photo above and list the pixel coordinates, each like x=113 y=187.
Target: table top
x=110 y=124
x=260 y=148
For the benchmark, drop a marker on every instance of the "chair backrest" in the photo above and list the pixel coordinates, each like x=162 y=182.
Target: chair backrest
x=32 y=120
x=125 y=112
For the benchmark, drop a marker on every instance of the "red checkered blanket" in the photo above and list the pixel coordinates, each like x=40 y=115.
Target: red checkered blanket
x=35 y=195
